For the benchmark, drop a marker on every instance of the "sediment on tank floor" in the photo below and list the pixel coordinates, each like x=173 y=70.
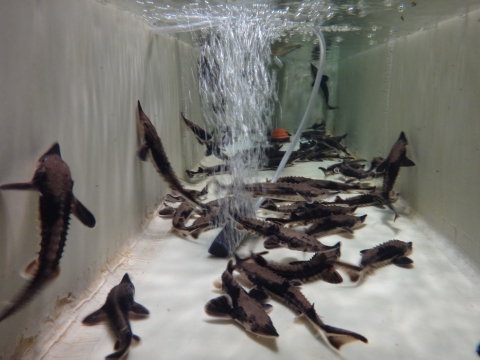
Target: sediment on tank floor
x=428 y=312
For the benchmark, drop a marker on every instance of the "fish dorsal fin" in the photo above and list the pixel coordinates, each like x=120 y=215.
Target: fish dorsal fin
x=82 y=213
x=126 y=279
x=53 y=150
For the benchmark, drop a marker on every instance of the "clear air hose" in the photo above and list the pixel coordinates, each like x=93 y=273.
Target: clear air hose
x=228 y=239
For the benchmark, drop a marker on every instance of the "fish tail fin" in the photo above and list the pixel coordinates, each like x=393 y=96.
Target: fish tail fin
x=338 y=337
x=122 y=346
x=27 y=294
x=354 y=272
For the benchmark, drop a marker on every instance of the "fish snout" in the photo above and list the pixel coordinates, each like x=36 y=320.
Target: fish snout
x=267 y=330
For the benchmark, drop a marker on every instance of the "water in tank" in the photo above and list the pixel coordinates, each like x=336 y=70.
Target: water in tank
x=234 y=179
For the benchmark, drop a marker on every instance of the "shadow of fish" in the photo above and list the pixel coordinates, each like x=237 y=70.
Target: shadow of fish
x=153 y=146
x=117 y=306
x=53 y=180
x=245 y=308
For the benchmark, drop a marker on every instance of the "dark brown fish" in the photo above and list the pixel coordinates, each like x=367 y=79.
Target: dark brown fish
x=334 y=224
x=289 y=192
x=277 y=236
x=116 y=309
x=292 y=296
x=323 y=86
x=320 y=266
x=363 y=200
x=245 y=308
x=53 y=180
x=391 y=167
x=324 y=184
x=153 y=146
x=202 y=136
x=390 y=252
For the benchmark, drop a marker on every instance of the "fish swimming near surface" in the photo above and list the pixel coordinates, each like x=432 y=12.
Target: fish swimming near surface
x=391 y=252
x=53 y=180
x=153 y=146
x=291 y=295
x=248 y=309
x=116 y=310
x=318 y=267
x=334 y=224
x=391 y=167
x=277 y=236
x=323 y=86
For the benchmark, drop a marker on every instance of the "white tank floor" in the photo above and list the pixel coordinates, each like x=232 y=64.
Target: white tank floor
x=429 y=312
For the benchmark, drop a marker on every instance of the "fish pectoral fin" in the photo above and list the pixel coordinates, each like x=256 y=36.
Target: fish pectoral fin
x=136 y=338
x=30 y=270
x=347 y=229
x=307 y=198
x=331 y=276
x=268 y=308
x=338 y=337
x=142 y=152
x=406 y=162
x=403 y=261
x=295 y=282
x=139 y=309
x=82 y=213
x=258 y=294
x=95 y=317
x=239 y=227
x=19 y=186
x=220 y=307
x=272 y=242
x=117 y=345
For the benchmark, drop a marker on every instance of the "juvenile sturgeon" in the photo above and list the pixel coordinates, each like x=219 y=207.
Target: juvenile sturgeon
x=320 y=266
x=285 y=291
x=277 y=236
x=285 y=191
x=391 y=252
x=53 y=180
x=310 y=213
x=202 y=136
x=391 y=167
x=323 y=85
x=153 y=146
x=181 y=217
x=323 y=184
x=117 y=306
x=334 y=224
x=363 y=200
x=209 y=171
x=245 y=308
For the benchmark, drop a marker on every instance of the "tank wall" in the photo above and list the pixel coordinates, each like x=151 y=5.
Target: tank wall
x=72 y=72
x=427 y=85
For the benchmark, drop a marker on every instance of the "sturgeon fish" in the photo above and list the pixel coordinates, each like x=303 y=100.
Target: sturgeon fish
x=363 y=200
x=289 y=192
x=245 y=308
x=202 y=136
x=391 y=252
x=323 y=184
x=277 y=236
x=334 y=224
x=318 y=267
x=323 y=86
x=153 y=146
x=117 y=306
x=291 y=295
x=391 y=167
x=309 y=214
x=53 y=180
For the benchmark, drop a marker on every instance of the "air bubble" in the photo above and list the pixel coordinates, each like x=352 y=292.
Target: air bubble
x=370 y=35
x=338 y=39
x=330 y=15
x=350 y=10
x=401 y=7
